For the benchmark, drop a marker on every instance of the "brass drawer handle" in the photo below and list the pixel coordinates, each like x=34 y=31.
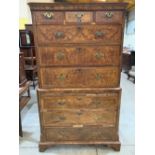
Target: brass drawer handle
x=61 y=102
x=98 y=76
x=62 y=77
x=59 y=35
x=48 y=15
x=109 y=14
x=79 y=113
x=98 y=55
x=60 y=55
x=97 y=103
x=62 y=118
x=79 y=15
x=99 y=34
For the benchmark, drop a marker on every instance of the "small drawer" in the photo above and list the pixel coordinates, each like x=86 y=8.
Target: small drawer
x=89 y=133
x=80 y=116
x=49 y=17
x=79 y=17
x=109 y=17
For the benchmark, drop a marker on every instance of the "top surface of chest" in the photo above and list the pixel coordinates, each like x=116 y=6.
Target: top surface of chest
x=78 y=6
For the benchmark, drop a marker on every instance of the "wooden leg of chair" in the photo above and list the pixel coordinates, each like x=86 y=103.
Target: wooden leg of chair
x=20 y=126
x=33 y=78
x=28 y=92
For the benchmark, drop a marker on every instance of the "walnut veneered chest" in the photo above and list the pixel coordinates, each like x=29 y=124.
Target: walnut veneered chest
x=78 y=53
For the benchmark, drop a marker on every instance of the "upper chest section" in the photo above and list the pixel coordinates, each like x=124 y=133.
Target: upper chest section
x=78 y=17
x=76 y=13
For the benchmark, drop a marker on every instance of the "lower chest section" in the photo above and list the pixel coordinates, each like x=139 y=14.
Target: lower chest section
x=73 y=108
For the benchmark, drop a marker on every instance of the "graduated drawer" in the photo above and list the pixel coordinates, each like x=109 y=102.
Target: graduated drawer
x=78 y=17
x=106 y=101
x=79 y=116
x=49 y=17
x=79 y=55
x=89 y=133
x=48 y=34
x=79 y=77
x=104 y=17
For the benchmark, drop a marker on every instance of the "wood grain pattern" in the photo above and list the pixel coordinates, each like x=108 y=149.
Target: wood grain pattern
x=57 y=17
x=80 y=116
x=79 y=17
x=48 y=34
x=79 y=55
x=114 y=17
x=80 y=101
x=80 y=134
x=79 y=77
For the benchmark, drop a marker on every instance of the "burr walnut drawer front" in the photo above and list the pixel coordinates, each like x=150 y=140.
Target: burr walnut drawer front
x=79 y=55
x=49 y=17
x=109 y=17
x=89 y=133
x=79 y=17
x=79 y=77
x=81 y=101
x=48 y=34
x=79 y=116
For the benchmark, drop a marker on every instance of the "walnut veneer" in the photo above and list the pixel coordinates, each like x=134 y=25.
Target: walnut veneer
x=78 y=49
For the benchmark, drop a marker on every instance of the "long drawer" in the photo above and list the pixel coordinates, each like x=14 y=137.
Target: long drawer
x=79 y=77
x=48 y=34
x=89 y=133
x=106 y=101
x=80 y=116
x=79 y=55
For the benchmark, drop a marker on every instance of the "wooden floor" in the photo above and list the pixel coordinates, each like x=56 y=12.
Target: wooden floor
x=30 y=120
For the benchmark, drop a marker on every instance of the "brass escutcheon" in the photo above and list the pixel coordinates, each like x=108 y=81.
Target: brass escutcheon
x=99 y=34
x=109 y=14
x=48 y=15
x=61 y=102
x=59 y=35
x=60 y=55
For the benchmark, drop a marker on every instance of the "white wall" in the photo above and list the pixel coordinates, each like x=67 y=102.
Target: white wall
x=129 y=37
x=24 y=10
